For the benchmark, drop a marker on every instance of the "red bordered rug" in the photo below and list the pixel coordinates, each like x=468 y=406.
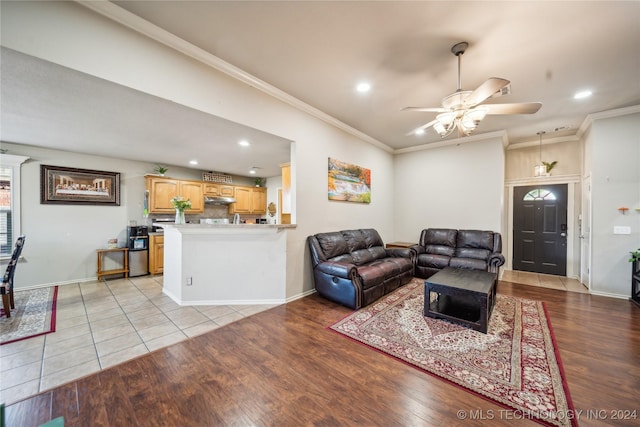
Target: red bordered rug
x=515 y=365
x=34 y=315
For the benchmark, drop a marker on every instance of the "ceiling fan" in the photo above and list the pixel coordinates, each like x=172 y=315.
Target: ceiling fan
x=464 y=109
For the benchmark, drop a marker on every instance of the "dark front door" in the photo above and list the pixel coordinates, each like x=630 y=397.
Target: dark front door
x=540 y=229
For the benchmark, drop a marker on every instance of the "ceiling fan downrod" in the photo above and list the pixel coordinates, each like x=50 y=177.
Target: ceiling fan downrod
x=458 y=50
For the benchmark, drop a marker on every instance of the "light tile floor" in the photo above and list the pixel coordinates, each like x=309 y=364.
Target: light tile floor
x=544 y=280
x=101 y=324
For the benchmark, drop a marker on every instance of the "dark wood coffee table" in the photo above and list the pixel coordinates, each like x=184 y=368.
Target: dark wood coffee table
x=463 y=296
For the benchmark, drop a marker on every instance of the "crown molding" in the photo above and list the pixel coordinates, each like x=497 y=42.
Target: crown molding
x=586 y=124
x=135 y=23
x=548 y=141
x=501 y=134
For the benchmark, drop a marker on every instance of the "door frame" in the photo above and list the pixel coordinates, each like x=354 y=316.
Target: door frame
x=572 y=232
x=585 y=233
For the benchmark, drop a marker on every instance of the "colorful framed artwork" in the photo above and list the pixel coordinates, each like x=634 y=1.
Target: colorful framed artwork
x=71 y=186
x=349 y=183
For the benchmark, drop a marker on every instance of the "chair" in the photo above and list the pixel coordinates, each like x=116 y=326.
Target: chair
x=7 y=281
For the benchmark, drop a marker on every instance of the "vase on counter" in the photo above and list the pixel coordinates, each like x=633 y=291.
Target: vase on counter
x=180 y=217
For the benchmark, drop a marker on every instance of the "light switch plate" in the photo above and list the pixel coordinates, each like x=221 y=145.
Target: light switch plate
x=621 y=230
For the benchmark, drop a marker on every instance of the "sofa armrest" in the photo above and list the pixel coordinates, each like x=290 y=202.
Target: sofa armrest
x=418 y=249
x=399 y=252
x=495 y=261
x=338 y=269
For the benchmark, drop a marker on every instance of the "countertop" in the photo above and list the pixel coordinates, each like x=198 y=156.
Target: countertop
x=221 y=226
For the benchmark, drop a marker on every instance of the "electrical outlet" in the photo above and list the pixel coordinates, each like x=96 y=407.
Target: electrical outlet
x=621 y=230
x=189 y=281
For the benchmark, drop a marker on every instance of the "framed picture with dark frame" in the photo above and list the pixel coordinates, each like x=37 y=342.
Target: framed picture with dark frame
x=71 y=186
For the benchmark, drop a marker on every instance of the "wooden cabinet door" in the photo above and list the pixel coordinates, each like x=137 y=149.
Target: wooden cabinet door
x=212 y=189
x=156 y=254
x=243 y=201
x=192 y=190
x=227 y=190
x=259 y=200
x=161 y=191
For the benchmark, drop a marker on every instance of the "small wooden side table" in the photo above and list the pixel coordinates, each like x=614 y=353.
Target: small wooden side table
x=125 y=262
x=400 y=245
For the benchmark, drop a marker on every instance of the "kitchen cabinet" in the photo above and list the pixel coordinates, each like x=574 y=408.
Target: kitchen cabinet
x=218 y=190
x=249 y=200
x=162 y=190
x=156 y=254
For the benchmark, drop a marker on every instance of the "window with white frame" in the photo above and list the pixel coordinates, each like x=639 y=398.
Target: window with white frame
x=9 y=202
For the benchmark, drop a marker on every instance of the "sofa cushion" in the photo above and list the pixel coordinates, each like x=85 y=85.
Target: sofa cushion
x=475 y=244
x=475 y=239
x=376 y=272
x=372 y=238
x=362 y=256
x=365 y=256
x=482 y=254
x=439 y=241
x=433 y=260
x=469 y=263
x=343 y=258
x=355 y=240
x=332 y=244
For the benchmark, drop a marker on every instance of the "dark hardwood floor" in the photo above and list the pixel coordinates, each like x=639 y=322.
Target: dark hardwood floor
x=283 y=367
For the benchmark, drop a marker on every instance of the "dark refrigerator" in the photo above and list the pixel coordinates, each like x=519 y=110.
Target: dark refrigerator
x=138 y=250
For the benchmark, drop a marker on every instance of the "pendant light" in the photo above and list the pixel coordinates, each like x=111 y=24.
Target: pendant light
x=540 y=169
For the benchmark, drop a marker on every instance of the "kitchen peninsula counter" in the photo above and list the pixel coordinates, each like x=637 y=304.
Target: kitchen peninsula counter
x=209 y=264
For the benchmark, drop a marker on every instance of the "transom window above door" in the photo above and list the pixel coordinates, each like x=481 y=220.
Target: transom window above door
x=539 y=194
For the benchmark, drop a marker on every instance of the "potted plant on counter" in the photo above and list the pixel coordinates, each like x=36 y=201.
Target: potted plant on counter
x=180 y=206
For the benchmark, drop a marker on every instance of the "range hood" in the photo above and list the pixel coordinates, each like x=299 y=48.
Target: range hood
x=218 y=200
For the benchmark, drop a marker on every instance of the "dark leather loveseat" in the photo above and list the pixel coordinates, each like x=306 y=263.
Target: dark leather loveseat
x=353 y=268
x=444 y=247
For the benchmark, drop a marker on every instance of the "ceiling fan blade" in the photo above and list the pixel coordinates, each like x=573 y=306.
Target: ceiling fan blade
x=485 y=90
x=427 y=109
x=431 y=123
x=522 y=108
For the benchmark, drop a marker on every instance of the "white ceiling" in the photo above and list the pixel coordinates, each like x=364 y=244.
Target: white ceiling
x=318 y=51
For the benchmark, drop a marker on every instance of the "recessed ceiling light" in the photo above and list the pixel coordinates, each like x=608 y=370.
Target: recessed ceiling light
x=193 y=162
x=582 y=94
x=243 y=143
x=420 y=132
x=252 y=171
x=363 y=87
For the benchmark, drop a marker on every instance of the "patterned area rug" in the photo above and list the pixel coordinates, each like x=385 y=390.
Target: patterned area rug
x=516 y=364
x=34 y=315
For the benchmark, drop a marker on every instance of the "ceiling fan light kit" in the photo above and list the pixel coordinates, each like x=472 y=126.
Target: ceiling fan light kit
x=463 y=109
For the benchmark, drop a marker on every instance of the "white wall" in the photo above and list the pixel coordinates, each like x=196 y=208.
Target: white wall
x=520 y=161
x=71 y=35
x=615 y=178
x=455 y=186
x=61 y=240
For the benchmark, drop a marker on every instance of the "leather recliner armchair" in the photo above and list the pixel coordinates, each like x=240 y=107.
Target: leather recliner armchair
x=443 y=247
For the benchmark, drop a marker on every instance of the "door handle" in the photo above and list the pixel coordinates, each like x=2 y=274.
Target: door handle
x=563 y=234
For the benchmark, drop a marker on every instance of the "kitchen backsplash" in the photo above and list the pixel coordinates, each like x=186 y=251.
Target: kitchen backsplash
x=210 y=211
